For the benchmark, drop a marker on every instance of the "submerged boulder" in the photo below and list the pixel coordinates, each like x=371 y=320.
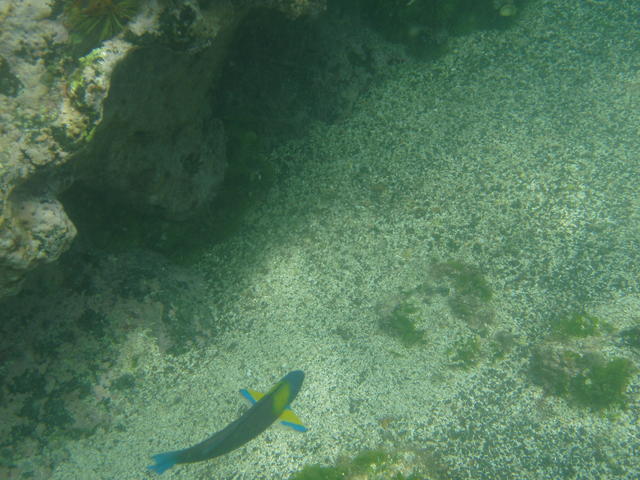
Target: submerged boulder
x=122 y=106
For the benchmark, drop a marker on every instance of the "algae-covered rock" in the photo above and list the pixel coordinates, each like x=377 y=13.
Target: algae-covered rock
x=33 y=226
x=119 y=100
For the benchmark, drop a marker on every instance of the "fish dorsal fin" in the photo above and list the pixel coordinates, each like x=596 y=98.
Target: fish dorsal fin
x=288 y=418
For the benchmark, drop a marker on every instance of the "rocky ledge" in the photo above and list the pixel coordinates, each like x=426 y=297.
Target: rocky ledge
x=113 y=94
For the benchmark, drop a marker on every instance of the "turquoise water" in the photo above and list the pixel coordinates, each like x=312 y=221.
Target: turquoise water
x=454 y=265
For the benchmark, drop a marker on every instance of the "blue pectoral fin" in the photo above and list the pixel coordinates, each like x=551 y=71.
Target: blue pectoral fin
x=288 y=418
x=294 y=426
x=164 y=461
x=251 y=395
x=291 y=420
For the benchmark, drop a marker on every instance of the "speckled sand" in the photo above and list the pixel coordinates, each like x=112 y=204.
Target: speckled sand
x=517 y=152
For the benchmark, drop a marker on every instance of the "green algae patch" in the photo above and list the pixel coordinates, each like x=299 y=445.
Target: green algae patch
x=400 y=323
x=463 y=288
x=365 y=460
x=378 y=464
x=580 y=325
x=470 y=292
x=318 y=472
x=501 y=344
x=467 y=279
x=362 y=463
x=585 y=379
x=631 y=337
x=466 y=352
x=603 y=384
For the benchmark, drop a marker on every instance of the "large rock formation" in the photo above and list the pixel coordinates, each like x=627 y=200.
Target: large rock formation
x=126 y=111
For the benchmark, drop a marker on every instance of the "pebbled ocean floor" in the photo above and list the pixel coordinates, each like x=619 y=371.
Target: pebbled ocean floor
x=414 y=259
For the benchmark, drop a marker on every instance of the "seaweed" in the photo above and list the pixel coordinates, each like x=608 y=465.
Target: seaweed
x=581 y=325
x=401 y=324
x=470 y=295
x=501 y=344
x=585 y=379
x=468 y=280
x=124 y=382
x=359 y=465
x=10 y=84
x=377 y=464
x=603 y=384
x=31 y=381
x=631 y=337
x=465 y=353
x=365 y=460
x=318 y=472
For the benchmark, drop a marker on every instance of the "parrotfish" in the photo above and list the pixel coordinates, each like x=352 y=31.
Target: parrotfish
x=265 y=410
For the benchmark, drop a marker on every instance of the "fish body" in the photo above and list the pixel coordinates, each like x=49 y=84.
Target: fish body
x=266 y=409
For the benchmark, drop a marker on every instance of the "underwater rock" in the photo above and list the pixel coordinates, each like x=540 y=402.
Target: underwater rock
x=34 y=228
x=159 y=148
x=124 y=111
